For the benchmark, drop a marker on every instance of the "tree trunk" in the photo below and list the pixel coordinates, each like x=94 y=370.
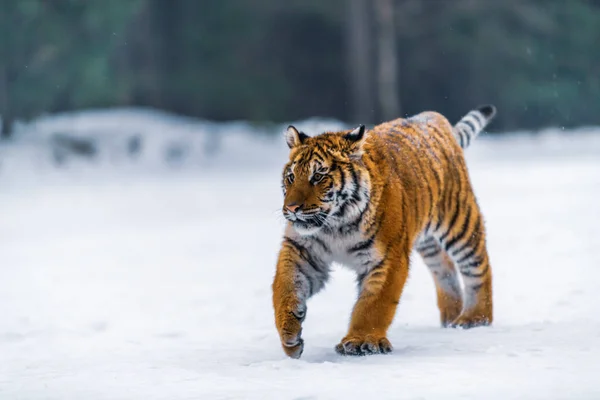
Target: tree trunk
x=144 y=57
x=164 y=24
x=387 y=73
x=5 y=109
x=358 y=41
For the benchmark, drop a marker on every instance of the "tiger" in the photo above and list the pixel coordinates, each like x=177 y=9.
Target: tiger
x=365 y=199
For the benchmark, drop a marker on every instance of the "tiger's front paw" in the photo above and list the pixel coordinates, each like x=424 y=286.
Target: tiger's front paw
x=291 y=336
x=294 y=350
x=362 y=346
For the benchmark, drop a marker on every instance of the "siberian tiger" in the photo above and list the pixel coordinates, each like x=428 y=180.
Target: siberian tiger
x=365 y=199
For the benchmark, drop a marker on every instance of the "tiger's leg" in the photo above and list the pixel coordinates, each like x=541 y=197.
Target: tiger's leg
x=445 y=276
x=299 y=275
x=374 y=310
x=464 y=241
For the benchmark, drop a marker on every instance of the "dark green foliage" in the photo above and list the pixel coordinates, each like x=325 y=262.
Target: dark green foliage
x=56 y=55
x=537 y=60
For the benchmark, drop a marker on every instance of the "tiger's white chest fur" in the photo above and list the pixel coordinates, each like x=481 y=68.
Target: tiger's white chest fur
x=352 y=250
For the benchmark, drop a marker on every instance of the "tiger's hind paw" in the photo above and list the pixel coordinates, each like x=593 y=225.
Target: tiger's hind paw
x=467 y=321
x=356 y=346
x=449 y=312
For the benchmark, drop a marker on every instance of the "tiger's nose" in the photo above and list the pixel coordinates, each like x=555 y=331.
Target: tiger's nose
x=293 y=207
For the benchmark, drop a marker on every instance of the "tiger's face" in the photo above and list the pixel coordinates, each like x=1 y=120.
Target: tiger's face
x=324 y=183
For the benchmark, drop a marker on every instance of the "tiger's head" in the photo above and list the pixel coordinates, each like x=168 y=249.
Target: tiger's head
x=325 y=183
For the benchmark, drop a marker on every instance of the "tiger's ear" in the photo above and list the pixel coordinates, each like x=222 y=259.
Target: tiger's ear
x=356 y=135
x=356 y=139
x=294 y=138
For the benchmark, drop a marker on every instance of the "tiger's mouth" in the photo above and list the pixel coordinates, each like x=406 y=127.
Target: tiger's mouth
x=304 y=222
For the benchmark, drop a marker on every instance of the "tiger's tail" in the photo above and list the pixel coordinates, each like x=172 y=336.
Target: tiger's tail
x=471 y=124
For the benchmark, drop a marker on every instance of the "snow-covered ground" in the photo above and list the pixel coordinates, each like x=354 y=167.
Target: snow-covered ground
x=153 y=281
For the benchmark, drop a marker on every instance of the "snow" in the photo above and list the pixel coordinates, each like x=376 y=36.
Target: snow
x=141 y=280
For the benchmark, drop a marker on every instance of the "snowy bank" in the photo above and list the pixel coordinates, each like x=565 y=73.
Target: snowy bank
x=142 y=139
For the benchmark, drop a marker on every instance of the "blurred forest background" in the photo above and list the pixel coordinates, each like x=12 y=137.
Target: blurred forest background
x=273 y=60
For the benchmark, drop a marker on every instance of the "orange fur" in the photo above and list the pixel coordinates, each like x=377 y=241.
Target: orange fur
x=412 y=179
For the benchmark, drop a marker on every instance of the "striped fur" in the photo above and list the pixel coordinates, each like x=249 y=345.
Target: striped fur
x=366 y=199
x=472 y=124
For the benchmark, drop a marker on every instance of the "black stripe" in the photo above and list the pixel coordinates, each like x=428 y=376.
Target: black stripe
x=429 y=239
x=378 y=265
x=478 y=115
x=353 y=197
x=474 y=235
x=471 y=126
x=426 y=241
x=461 y=138
x=463 y=231
x=307 y=157
x=362 y=245
x=342 y=180
x=469 y=274
x=316 y=282
x=427 y=226
x=471 y=265
x=355 y=192
x=304 y=254
x=424 y=247
x=375 y=274
x=341 y=211
x=469 y=137
x=432 y=253
x=464 y=258
x=375 y=271
x=448 y=200
x=474 y=250
x=342 y=194
x=297 y=245
x=475 y=288
x=310 y=283
x=322 y=244
x=364 y=210
x=318 y=158
x=360 y=279
x=452 y=220
x=301 y=249
x=437 y=226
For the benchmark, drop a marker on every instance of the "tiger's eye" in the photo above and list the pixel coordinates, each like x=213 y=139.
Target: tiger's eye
x=290 y=178
x=317 y=177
